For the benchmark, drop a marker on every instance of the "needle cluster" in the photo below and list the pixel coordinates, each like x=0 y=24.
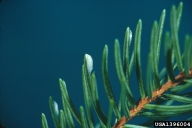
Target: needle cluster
x=157 y=82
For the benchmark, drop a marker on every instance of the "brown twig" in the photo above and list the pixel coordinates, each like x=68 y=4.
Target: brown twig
x=179 y=78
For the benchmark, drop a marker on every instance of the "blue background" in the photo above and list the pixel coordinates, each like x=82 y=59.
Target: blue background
x=44 y=40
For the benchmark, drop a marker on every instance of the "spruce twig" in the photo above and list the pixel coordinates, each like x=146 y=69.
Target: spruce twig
x=156 y=83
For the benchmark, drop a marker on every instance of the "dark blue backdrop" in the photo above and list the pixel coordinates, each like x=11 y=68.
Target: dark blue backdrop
x=44 y=40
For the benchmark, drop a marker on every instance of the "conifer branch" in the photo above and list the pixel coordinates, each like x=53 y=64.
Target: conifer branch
x=128 y=107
